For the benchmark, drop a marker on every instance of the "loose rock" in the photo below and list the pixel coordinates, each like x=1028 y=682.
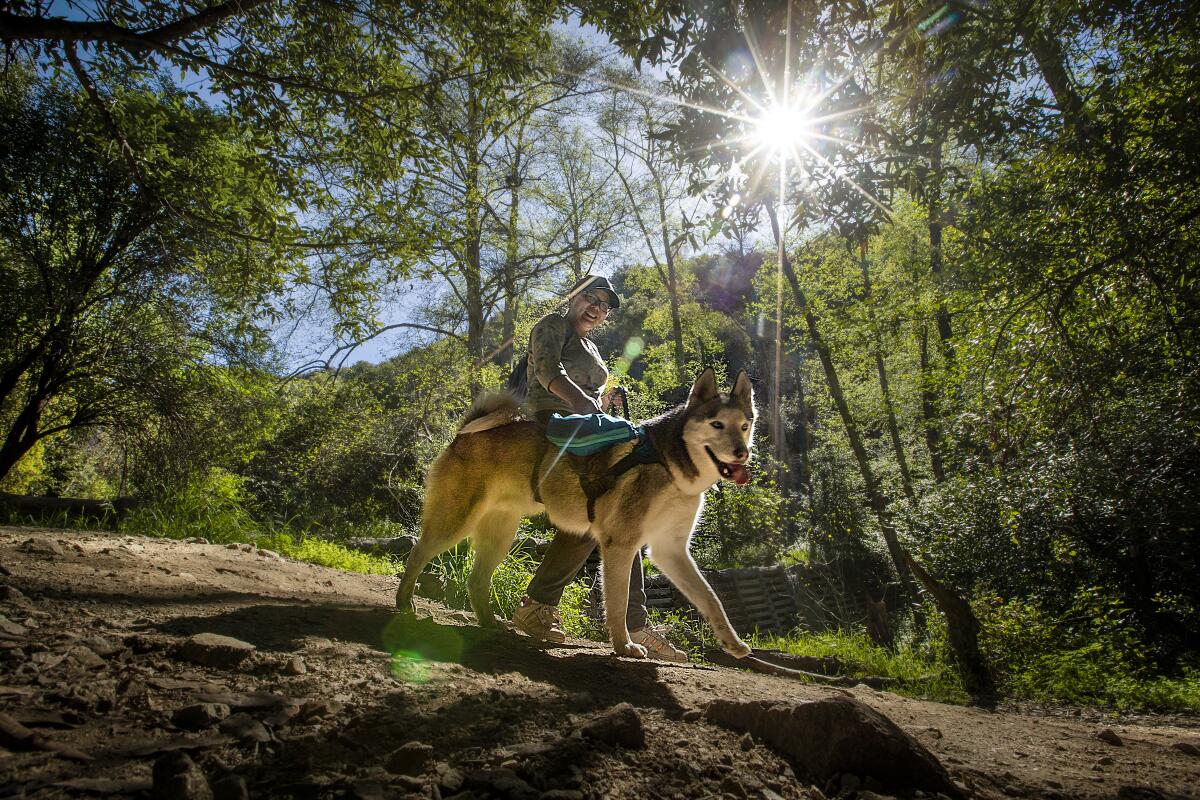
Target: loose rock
x=502 y=782
x=200 y=716
x=45 y=547
x=245 y=728
x=176 y=777
x=410 y=758
x=619 y=726
x=215 y=650
x=84 y=657
x=449 y=779
x=1187 y=748
x=1109 y=737
x=230 y=787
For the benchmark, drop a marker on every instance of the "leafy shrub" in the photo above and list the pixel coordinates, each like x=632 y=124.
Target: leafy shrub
x=1095 y=654
x=213 y=505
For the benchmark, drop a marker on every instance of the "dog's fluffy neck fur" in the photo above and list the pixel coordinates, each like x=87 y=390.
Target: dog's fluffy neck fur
x=666 y=435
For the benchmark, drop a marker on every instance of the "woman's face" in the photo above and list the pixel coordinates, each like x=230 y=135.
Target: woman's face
x=588 y=309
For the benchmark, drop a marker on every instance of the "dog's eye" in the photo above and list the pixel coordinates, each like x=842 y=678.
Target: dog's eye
x=717 y=424
x=745 y=426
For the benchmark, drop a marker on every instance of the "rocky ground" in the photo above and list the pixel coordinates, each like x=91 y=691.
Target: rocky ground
x=144 y=667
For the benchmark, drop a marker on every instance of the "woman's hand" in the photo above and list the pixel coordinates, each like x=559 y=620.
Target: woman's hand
x=575 y=397
x=586 y=406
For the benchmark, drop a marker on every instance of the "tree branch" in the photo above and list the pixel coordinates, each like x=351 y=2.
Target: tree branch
x=16 y=26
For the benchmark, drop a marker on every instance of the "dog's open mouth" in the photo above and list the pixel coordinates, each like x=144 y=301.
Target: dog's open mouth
x=730 y=472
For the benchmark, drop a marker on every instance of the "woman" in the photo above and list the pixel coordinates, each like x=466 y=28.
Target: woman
x=566 y=375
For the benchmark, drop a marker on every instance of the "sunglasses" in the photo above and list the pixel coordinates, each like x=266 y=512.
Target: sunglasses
x=600 y=303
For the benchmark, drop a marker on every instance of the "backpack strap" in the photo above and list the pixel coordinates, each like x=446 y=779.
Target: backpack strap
x=595 y=488
x=535 y=478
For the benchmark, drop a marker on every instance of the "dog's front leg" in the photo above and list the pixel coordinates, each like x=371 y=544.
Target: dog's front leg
x=677 y=564
x=616 y=562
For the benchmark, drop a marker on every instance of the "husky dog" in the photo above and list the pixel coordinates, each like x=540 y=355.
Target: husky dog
x=499 y=469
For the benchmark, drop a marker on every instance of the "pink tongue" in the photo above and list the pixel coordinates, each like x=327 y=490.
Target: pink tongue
x=739 y=474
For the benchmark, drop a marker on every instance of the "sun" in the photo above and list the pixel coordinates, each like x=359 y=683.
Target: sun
x=781 y=128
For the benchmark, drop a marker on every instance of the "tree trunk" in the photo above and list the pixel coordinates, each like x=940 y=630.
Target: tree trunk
x=473 y=235
x=72 y=506
x=672 y=281
x=884 y=389
x=879 y=503
x=963 y=628
x=945 y=332
x=933 y=429
x=512 y=252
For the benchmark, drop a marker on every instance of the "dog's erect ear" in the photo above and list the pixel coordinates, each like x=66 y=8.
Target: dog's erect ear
x=704 y=389
x=743 y=394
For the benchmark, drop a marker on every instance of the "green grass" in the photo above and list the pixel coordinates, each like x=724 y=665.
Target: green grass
x=916 y=671
x=58 y=519
x=328 y=554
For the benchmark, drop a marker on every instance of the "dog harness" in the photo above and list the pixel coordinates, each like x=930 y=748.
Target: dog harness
x=588 y=434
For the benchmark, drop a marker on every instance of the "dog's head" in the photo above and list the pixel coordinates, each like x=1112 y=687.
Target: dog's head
x=719 y=428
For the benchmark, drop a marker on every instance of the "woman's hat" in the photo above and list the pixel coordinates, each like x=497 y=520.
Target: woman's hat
x=597 y=282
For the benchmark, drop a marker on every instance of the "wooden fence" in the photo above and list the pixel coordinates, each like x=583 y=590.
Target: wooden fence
x=766 y=599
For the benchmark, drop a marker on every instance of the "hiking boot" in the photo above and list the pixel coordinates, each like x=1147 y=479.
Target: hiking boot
x=657 y=645
x=539 y=621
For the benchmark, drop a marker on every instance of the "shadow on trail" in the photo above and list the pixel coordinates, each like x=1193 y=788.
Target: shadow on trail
x=412 y=642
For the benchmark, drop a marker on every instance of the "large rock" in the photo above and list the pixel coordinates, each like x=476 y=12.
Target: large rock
x=834 y=736
x=215 y=650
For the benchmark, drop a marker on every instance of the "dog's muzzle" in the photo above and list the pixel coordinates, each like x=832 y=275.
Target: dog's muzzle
x=730 y=471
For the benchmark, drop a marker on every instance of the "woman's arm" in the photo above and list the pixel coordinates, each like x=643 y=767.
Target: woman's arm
x=569 y=391
x=545 y=365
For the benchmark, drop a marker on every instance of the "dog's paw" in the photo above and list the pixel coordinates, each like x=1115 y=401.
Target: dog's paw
x=738 y=649
x=632 y=650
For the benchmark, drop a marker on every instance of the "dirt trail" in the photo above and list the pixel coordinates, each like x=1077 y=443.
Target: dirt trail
x=341 y=698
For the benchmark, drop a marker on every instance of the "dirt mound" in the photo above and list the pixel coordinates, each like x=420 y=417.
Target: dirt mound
x=132 y=665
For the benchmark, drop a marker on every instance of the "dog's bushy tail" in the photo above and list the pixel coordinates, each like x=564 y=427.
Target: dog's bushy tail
x=490 y=410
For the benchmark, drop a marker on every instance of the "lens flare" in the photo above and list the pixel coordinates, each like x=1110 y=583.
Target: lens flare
x=408 y=666
x=781 y=128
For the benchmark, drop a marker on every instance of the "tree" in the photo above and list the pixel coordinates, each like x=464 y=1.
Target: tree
x=109 y=295
x=634 y=122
